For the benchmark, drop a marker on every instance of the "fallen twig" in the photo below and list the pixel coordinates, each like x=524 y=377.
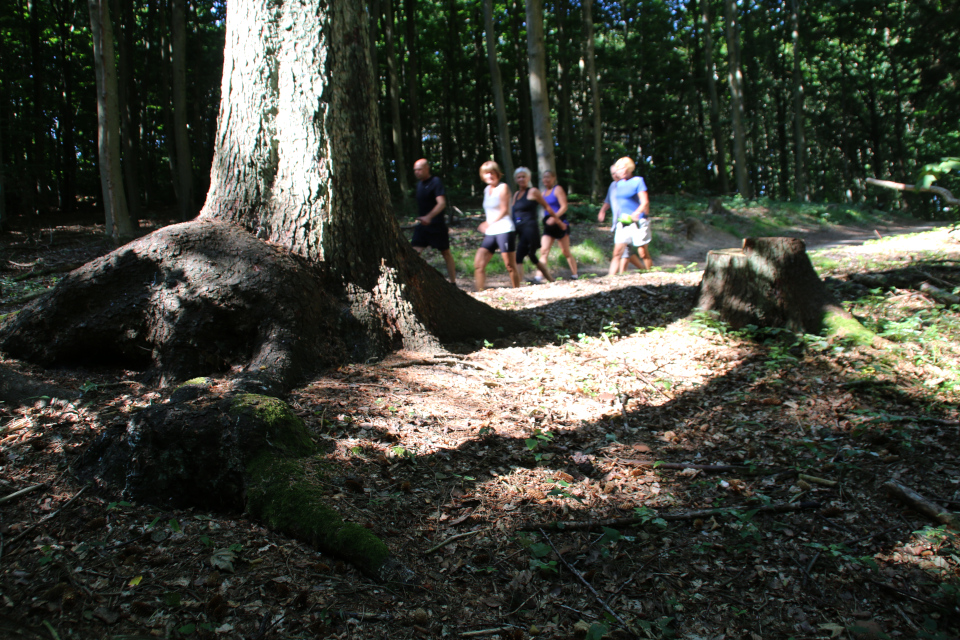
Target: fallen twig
x=669 y=517
x=920 y=504
x=465 y=534
x=647 y=382
x=596 y=595
x=815 y=480
x=714 y=468
x=485 y=632
x=48 y=517
x=17 y=494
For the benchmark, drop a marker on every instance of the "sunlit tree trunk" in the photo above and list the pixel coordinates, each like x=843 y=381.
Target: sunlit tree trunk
x=539 y=99
x=595 y=178
x=800 y=143
x=118 y=224
x=527 y=152
x=735 y=76
x=506 y=154
x=719 y=145
x=181 y=136
x=394 y=80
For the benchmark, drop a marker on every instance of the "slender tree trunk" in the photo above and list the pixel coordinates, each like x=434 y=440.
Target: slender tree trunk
x=719 y=145
x=564 y=106
x=127 y=105
x=595 y=177
x=413 y=78
x=118 y=224
x=527 y=153
x=394 y=81
x=800 y=143
x=36 y=156
x=506 y=153
x=166 y=105
x=67 y=180
x=178 y=64
x=736 y=101
x=539 y=99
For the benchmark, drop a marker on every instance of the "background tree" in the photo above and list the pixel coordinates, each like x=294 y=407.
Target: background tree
x=539 y=100
x=503 y=132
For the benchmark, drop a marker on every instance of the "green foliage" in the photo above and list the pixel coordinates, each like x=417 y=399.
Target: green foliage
x=933 y=172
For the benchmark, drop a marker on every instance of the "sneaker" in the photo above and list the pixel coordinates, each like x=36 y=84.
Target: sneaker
x=574 y=276
x=538 y=279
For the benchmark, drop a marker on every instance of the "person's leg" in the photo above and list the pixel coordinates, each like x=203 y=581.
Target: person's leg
x=419 y=249
x=546 y=243
x=542 y=267
x=510 y=260
x=571 y=261
x=451 y=265
x=617 y=255
x=645 y=254
x=480 y=262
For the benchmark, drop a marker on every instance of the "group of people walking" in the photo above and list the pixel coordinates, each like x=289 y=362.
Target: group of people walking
x=512 y=221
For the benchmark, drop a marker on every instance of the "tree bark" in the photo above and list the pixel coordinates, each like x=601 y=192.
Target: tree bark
x=539 y=99
x=506 y=153
x=128 y=107
x=735 y=77
x=800 y=143
x=394 y=80
x=719 y=145
x=181 y=136
x=413 y=78
x=118 y=224
x=770 y=282
x=527 y=151
x=67 y=174
x=596 y=177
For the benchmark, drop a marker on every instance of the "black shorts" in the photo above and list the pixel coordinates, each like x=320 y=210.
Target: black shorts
x=528 y=241
x=428 y=236
x=505 y=242
x=555 y=231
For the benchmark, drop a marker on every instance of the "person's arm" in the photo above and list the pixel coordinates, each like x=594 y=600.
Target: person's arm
x=504 y=202
x=437 y=208
x=603 y=211
x=534 y=194
x=562 y=199
x=644 y=207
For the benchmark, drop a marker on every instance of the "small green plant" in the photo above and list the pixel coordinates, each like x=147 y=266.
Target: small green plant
x=646 y=515
x=539 y=551
x=539 y=440
x=560 y=489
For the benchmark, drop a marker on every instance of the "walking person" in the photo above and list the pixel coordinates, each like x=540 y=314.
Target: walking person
x=632 y=222
x=526 y=218
x=555 y=225
x=499 y=232
x=432 y=230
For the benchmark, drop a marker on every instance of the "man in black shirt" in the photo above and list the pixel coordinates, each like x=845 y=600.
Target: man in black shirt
x=432 y=228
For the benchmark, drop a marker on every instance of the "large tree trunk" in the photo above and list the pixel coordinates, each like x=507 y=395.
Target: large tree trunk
x=506 y=154
x=118 y=223
x=128 y=106
x=539 y=100
x=295 y=262
x=595 y=177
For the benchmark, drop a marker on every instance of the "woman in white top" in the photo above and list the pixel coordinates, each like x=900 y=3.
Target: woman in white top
x=499 y=232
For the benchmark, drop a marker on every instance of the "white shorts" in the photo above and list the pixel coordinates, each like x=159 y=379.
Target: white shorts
x=636 y=234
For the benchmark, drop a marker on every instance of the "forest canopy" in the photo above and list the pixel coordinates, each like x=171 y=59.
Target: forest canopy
x=832 y=93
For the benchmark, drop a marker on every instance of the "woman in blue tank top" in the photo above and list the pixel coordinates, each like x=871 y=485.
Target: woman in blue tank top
x=555 y=226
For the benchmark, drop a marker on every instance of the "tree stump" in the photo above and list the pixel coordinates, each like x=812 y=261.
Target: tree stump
x=770 y=282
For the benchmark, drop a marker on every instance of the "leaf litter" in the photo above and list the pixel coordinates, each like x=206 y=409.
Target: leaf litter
x=495 y=473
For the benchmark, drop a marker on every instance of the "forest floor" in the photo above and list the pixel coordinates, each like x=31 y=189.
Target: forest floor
x=631 y=467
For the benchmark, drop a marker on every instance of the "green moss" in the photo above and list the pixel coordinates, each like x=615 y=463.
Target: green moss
x=199 y=382
x=842 y=325
x=282 y=494
x=285 y=431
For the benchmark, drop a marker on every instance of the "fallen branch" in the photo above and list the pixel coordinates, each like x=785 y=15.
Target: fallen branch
x=486 y=632
x=17 y=494
x=48 y=517
x=596 y=595
x=646 y=381
x=815 y=480
x=669 y=517
x=899 y=186
x=920 y=504
x=939 y=294
x=465 y=534
x=712 y=468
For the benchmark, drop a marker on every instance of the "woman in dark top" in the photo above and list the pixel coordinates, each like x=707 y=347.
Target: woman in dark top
x=524 y=212
x=556 y=227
